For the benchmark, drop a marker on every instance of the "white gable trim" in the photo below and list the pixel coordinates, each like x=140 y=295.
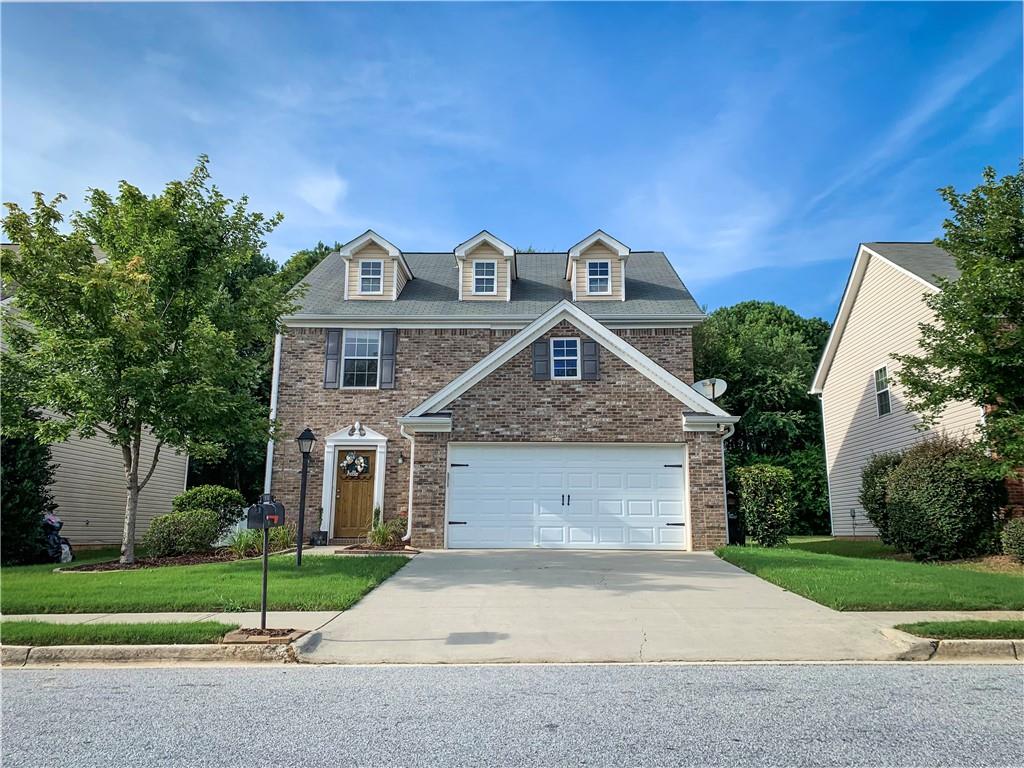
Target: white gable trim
x=566 y=310
x=621 y=250
x=462 y=249
x=349 y=249
x=853 y=283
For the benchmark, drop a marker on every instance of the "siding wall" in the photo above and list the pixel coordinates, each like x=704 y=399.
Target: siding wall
x=89 y=488
x=485 y=252
x=371 y=251
x=598 y=252
x=884 y=320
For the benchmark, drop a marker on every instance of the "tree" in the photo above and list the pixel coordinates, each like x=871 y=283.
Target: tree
x=156 y=331
x=974 y=348
x=767 y=353
x=26 y=473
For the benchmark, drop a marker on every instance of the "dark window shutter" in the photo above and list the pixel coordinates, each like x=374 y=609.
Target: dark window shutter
x=541 y=361
x=388 y=342
x=590 y=360
x=332 y=360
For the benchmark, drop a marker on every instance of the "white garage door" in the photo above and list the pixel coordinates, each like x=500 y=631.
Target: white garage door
x=621 y=496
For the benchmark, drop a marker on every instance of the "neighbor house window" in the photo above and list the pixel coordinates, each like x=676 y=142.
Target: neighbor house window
x=599 y=278
x=565 y=358
x=371 y=276
x=485 y=278
x=882 y=392
x=361 y=359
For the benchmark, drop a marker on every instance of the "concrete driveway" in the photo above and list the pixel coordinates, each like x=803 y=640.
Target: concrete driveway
x=586 y=606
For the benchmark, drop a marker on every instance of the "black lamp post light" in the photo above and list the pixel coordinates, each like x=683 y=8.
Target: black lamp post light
x=305 y=441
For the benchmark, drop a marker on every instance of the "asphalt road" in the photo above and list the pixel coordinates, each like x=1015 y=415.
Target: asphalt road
x=753 y=715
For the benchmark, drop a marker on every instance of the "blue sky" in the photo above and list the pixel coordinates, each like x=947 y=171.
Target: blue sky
x=756 y=144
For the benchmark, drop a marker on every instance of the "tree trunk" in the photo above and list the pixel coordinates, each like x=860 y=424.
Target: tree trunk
x=130 y=455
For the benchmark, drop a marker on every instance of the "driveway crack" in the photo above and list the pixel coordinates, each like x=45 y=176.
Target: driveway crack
x=643 y=642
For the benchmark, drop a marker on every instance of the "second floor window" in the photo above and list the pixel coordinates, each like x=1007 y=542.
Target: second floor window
x=882 y=403
x=565 y=358
x=371 y=276
x=485 y=278
x=360 y=359
x=599 y=278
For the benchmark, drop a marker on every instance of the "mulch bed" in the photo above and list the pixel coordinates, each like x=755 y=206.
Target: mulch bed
x=268 y=632
x=370 y=549
x=153 y=562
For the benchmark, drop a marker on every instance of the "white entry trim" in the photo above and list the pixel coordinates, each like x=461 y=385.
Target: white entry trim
x=566 y=310
x=353 y=437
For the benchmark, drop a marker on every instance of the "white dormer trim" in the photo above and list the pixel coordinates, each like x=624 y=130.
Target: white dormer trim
x=565 y=310
x=620 y=249
x=462 y=250
x=350 y=249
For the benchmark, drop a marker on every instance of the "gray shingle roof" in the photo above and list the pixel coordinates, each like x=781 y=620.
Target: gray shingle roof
x=926 y=260
x=652 y=289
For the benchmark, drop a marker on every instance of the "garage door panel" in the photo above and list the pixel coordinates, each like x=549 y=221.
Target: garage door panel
x=562 y=495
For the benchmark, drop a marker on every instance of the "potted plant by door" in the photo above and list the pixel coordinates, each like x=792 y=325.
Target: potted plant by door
x=319 y=537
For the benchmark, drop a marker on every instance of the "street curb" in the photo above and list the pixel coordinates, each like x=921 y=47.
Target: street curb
x=911 y=647
x=988 y=650
x=27 y=656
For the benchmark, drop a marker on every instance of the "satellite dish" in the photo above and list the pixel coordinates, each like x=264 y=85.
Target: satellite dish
x=711 y=388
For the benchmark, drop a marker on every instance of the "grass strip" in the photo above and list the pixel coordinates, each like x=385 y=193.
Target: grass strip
x=153 y=633
x=970 y=629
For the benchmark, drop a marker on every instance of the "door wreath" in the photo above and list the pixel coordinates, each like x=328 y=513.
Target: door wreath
x=354 y=466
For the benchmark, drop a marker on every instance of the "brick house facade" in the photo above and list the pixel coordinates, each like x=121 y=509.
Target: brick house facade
x=508 y=405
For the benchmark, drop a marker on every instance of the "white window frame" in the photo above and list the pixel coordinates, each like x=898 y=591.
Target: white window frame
x=380 y=277
x=344 y=357
x=494 y=277
x=577 y=358
x=884 y=369
x=608 y=264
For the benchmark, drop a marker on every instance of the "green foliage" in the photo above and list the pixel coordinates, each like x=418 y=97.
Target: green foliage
x=766 y=498
x=385 y=533
x=192 y=532
x=974 y=349
x=226 y=502
x=873 y=479
x=144 y=633
x=25 y=477
x=1012 y=537
x=283 y=537
x=168 y=333
x=247 y=542
x=969 y=629
x=767 y=354
x=942 y=501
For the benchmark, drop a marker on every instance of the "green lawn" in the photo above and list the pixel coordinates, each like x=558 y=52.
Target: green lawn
x=323 y=583
x=43 y=633
x=854 y=581
x=970 y=630
x=826 y=545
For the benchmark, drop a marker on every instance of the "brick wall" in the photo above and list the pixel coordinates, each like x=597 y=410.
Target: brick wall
x=623 y=406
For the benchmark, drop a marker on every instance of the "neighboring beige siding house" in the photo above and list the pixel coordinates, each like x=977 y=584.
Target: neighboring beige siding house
x=862 y=405
x=89 y=485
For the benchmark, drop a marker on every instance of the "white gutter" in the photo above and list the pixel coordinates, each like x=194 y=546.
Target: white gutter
x=273 y=411
x=412 y=467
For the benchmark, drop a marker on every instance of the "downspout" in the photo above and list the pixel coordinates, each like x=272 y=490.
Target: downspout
x=273 y=411
x=412 y=467
x=730 y=430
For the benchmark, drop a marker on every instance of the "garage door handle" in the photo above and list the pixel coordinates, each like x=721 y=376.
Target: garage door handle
x=456 y=522
x=675 y=523
x=563 y=499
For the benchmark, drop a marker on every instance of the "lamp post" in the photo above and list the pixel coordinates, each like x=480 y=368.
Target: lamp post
x=305 y=441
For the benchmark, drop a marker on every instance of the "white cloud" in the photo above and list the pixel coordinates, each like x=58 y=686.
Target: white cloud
x=322 y=192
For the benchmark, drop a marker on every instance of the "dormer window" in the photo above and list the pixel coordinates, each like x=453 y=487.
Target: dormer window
x=599 y=277
x=485 y=277
x=371 y=276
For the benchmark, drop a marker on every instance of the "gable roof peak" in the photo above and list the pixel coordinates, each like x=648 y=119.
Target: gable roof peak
x=483 y=236
x=349 y=249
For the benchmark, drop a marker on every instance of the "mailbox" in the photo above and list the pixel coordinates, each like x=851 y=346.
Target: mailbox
x=266 y=513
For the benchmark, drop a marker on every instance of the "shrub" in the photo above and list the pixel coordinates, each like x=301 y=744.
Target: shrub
x=25 y=477
x=766 y=499
x=245 y=543
x=385 y=533
x=873 y=479
x=191 y=532
x=810 y=490
x=228 y=503
x=1013 y=538
x=283 y=537
x=942 y=501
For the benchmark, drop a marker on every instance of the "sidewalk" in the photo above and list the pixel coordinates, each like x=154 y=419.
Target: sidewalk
x=309 y=620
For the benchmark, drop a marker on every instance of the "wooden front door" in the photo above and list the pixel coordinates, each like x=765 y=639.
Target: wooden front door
x=353 y=498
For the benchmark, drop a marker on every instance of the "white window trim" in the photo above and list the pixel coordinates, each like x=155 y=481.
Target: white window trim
x=344 y=336
x=599 y=293
x=381 y=278
x=886 y=389
x=578 y=361
x=473 y=277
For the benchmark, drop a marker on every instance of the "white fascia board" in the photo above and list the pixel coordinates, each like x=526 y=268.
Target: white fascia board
x=566 y=310
x=620 y=249
x=462 y=249
x=850 y=293
x=702 y=422
x=426 y=423
x=493 y=321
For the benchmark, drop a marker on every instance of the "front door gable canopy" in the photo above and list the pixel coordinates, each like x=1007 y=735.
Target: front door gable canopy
x=567 y=311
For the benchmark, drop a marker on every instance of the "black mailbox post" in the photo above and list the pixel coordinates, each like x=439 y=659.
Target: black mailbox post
x=265 y=514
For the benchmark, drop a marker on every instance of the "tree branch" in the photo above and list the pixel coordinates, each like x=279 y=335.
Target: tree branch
x=152 y=466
